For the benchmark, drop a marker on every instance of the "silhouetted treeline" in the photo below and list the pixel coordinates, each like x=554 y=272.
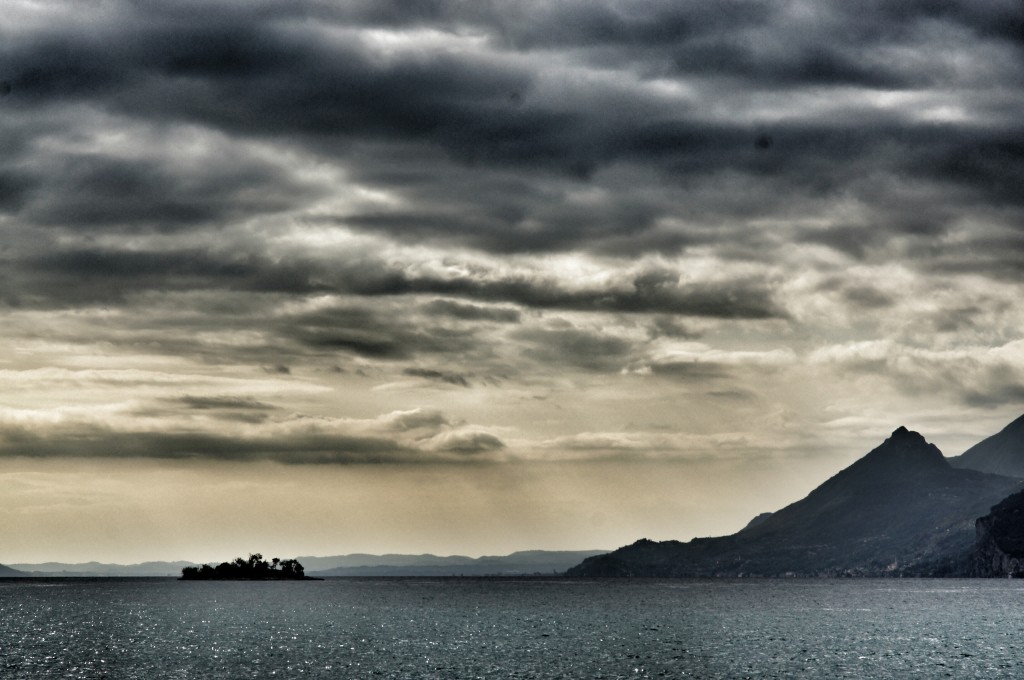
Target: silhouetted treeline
x=253 y=568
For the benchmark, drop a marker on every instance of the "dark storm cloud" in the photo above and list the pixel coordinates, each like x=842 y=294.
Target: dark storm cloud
x=575 y=23
x=867 y=297
x=96 y=190
x=986 y=386
x=857 y=294
x=257 y=73
x=650 y=292
x=366 y=332
x=14 y=189
x=718 y=38
x=469 y=443
x=988 y=162
x=400 y=437
x=995 y=395
x=307 y=74
x=437 y=376
x=432 y=193
x=995 y=256
x=169 y=148
x=691 y=370
x=142 y=268
x=581 y=348
x=90 y=275
x=852 y=240
x=736 y=395
x=986 y=378
x=98 y=275
x=957 y=319
x=389 y=335
x=231 y=403
x=668 y=327
x=653 y=290
x=95 y=442
x=469 y=312
x=711 y=177
x=230 y=409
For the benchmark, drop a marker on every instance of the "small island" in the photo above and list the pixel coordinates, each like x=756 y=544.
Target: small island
x=253 y=569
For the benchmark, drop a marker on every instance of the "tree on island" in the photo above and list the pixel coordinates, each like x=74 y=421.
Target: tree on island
x=254 y=568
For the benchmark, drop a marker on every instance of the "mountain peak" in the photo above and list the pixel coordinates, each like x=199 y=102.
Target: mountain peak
x=900 y=509
x=902 y=432
x=906 y=449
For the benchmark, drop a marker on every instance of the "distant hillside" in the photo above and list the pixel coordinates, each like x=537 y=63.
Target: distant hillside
x=518 y=563
x=369 y=560
x=361 y=564
x=7 y=572
x=899 y=510
x=58 y=569
x=1000 y=454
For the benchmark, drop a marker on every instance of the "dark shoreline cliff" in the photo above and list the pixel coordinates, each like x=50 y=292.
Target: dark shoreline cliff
x=999 y=542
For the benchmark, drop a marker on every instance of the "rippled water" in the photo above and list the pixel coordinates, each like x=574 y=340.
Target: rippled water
x=473 y=628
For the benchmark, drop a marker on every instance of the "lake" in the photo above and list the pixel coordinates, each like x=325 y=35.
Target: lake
x=509 y=628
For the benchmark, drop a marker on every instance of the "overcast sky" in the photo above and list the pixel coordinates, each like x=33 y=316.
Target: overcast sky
x=470 y=277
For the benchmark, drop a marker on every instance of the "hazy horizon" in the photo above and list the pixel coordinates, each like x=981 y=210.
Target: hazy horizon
x=315 y=278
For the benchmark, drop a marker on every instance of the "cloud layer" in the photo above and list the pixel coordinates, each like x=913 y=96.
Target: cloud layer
x=594 y=229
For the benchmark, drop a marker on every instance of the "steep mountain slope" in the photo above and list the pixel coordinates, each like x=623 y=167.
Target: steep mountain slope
x=999 y=546
x=1000 y=454
x=901 y=509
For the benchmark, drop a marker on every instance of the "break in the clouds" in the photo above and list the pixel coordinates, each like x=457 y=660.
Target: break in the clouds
x=443 y=232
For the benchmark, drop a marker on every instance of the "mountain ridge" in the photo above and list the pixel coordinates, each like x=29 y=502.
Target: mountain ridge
x=1002 y=453
x=517 y=563
x=101 y=569
x=354 y=564
x=901 y=509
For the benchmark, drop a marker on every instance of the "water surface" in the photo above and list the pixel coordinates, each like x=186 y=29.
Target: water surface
x=507 y=628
